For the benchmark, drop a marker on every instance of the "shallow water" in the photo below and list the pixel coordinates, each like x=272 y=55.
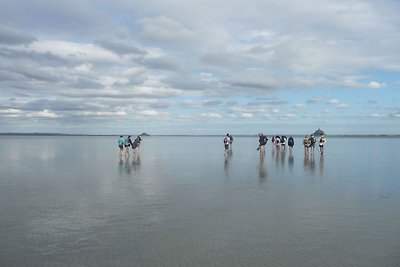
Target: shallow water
x=71 y=201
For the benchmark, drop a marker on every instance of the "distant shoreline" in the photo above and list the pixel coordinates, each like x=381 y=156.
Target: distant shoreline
x=197 y=135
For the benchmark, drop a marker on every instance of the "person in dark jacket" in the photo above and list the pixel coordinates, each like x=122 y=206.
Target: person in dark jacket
x=291 y=143
x=262 y=141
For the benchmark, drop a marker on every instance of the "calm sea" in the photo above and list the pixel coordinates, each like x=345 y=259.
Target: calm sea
x=72 y=201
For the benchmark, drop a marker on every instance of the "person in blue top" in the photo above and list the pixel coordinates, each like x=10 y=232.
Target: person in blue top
x=121 y=143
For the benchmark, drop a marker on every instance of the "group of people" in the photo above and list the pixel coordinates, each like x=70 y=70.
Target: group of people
x=310 y=141
x=125 y=144
x=280 y=143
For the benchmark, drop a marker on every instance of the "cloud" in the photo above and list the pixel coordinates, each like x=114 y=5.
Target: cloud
x=252 y=80
x=378 y=115
x=336 y=103
x=210 y=116
x=151 y=114
x=376 y=85
x=315 y=100
x=162 y=63
x=165 y=30
x=247 y=115
x=212 y=103
x=299 y=106
x=395 y=114
x=14 y=36
x=122 y=47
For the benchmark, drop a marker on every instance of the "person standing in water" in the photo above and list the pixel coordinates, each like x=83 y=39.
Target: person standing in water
x=227 y=141
x=312 y=142
x=283 y=142
x=127 y=145
x=230 y=142
x=306 y=143
x=138 y=140
x=290 y=143
x=121 y=144
x=322 y=142
x=262 y=141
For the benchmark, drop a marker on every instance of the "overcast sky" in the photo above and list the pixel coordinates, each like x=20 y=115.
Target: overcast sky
x=200 y=67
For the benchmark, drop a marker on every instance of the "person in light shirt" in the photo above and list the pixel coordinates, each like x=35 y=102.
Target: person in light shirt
x=322 y=142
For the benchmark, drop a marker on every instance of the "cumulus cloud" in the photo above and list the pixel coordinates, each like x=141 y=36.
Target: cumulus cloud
x=246 y=115
x=210 y=116
x=337 y=104
x=378 y=115
x=376 y=85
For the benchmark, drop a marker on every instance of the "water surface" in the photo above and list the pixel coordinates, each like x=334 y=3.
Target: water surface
x=72 y=201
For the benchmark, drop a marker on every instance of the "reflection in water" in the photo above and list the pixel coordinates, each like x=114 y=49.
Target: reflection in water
x=126 y=165
x=74 y=208
x=121 y=165
x=136 y=160
x=282 y=154
x=291 y=160
x=321 y=164
x=279 y=155
x=227 y=164
x=262 y=171
x=309 y=162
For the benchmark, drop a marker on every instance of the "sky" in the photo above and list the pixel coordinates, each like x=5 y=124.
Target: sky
x=200 y=67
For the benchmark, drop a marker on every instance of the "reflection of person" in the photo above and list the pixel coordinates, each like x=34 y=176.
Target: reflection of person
x=309 y=162
x=321 y=164
x=291 y=160
x=322 y=142
x=136 y=159
x=227 y=164
x=121 y=144
x=262 y=171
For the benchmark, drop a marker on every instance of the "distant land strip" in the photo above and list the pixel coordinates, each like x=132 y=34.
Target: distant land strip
x=199 y=135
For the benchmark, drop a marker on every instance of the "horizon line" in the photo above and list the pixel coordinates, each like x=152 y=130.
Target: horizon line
x=146 y=134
